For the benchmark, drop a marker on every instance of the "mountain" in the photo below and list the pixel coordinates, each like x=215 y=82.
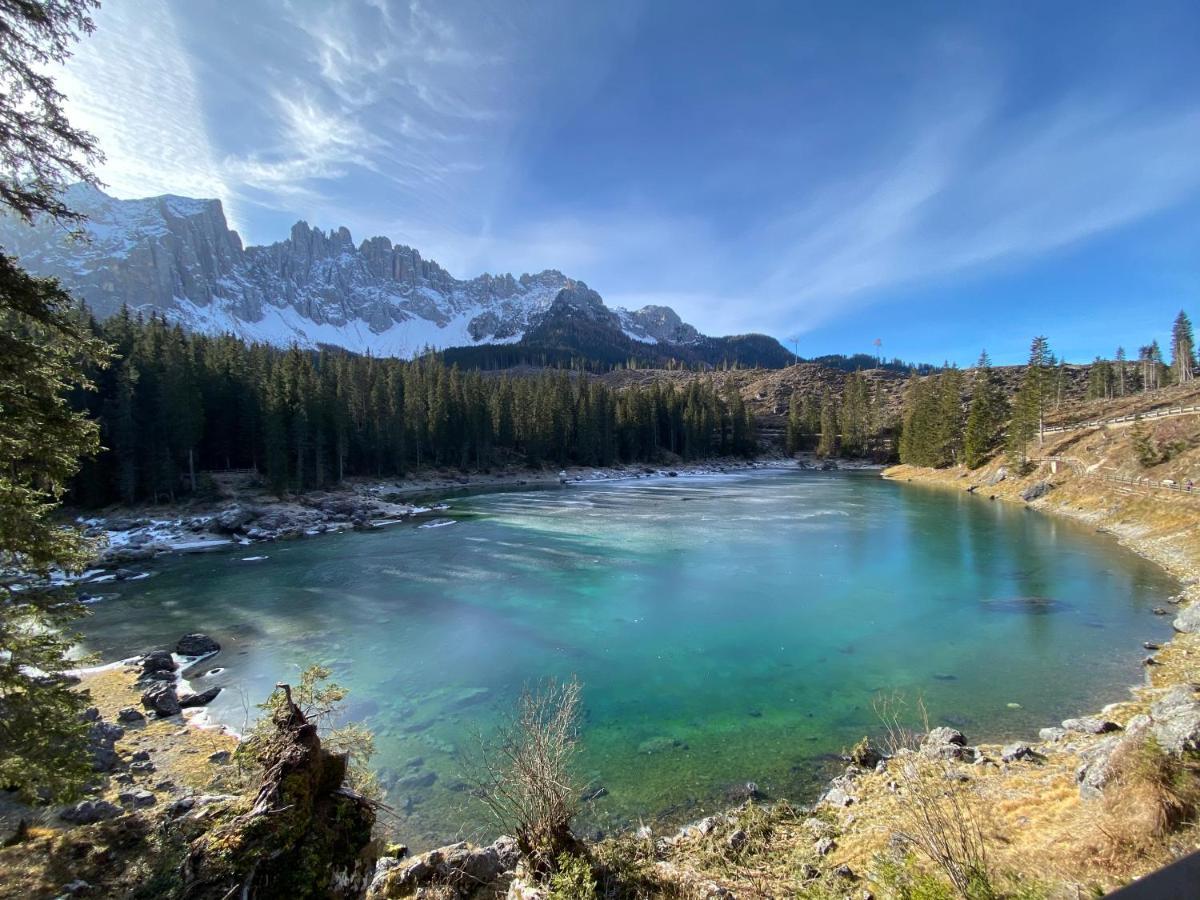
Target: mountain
x=177 y=256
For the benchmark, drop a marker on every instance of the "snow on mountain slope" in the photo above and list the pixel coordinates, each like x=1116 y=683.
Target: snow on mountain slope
x=177 y=256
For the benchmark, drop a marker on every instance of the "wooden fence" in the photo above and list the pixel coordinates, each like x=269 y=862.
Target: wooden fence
x=1164 y=413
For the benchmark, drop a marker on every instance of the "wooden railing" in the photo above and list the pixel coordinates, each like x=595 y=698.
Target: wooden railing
x=1164 y=413
x=1146 y=485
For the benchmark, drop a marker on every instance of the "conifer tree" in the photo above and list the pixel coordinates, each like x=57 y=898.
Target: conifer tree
x=46 y=349
x=830 y=442
x=1144 y=447
x=795 y=425
x=1029 y=406
x=985 y=420
x=1183 y=349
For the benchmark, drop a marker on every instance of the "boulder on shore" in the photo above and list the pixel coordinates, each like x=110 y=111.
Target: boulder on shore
x=201 y=699
x=158 y=661
x=161 y=699
x=1036 y=490
x=196 y=645
x=1188 y=620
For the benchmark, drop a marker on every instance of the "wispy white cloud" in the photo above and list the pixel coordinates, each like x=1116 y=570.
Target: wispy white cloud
x=974 y=193
x=132 y=85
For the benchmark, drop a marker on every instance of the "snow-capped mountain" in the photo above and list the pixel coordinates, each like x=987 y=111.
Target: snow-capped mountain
x=178 y=256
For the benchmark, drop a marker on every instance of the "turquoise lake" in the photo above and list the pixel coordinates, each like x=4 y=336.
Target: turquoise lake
x=737 y=626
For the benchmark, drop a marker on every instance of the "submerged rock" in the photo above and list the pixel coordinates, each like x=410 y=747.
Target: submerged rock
x=661 y=744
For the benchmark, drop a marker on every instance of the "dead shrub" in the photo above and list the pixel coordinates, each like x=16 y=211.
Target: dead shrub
x=935 y=810
x=523 y=774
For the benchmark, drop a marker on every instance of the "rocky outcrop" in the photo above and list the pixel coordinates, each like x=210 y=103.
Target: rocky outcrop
x=88 y=811
x=1173 y=720
x=459 y=870
x=1036 y=491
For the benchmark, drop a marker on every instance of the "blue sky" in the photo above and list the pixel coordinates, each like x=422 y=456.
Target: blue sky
x=939 y=176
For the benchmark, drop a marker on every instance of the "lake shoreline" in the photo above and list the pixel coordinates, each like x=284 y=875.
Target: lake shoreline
x=246 y=514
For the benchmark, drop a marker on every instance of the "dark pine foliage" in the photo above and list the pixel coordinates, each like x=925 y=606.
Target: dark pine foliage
x=173 y=405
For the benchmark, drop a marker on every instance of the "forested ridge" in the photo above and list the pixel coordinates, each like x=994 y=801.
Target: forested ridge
x=173 y=404
x=939 y=430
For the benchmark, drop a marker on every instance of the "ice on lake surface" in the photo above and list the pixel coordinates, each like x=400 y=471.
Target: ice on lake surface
x=725 y=629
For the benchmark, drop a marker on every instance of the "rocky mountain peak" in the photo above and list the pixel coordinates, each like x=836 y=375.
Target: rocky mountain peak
x=177 y=256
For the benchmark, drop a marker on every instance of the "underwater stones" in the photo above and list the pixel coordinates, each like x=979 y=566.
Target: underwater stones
x=201 y=699
x=661 y=744
x=593 y=793
x=1090 y=725
x=415 y=780
x=129 y=714
x=161 y=700
x=196 y=645
x=467 y=697
x=88 y=811
x=740 y=793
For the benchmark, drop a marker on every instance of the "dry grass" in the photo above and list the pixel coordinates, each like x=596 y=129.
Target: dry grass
x=1151 y=796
